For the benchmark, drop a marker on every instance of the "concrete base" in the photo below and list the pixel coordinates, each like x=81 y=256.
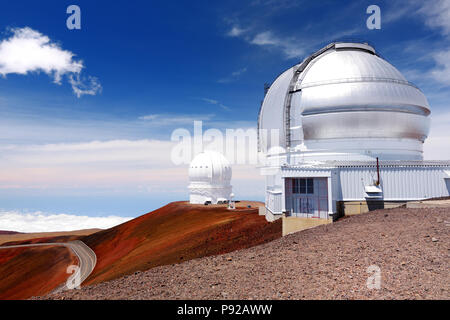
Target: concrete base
x=429 y=204
x=357 y=207
x=270 y=216
x=294 y=224
x=262 y=211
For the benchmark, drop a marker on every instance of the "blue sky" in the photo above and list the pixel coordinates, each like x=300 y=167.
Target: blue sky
x=159 y=65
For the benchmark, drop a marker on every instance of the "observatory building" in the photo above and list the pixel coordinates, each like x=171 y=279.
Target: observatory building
x=342 y=132
x=209 y=177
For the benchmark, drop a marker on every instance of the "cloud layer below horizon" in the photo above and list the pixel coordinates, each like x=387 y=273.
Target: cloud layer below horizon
x=45 y=222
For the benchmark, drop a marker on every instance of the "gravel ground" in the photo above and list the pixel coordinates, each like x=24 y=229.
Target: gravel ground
x=410 y=246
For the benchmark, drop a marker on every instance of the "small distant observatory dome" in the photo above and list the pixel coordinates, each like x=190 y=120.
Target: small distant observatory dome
x=344 y=102
x=209 y=177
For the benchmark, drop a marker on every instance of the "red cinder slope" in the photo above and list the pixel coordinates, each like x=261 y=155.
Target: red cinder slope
x=175 y=233
x=27 y=272
x=61 y=236
x=6 y=232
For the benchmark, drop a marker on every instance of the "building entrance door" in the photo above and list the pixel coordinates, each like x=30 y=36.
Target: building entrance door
x=309 y=197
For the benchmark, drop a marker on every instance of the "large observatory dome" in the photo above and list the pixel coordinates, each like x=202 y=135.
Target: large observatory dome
x=209 y=177
x=344 y=102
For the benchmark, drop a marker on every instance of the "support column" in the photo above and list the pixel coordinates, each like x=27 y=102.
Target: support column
x=283 y=195
x=330 y=196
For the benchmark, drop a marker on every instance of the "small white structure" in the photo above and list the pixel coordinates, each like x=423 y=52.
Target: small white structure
x=324 y=124
x=209 y=177
x=232 y=203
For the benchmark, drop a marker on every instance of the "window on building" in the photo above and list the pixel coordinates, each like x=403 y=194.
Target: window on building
x=303 y=185
x=309 y=186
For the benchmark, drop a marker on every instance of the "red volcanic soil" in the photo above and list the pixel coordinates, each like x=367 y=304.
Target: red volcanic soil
x=175 y=233
x=333 y=261
x=172 y=234
x=26 y=272
x=42 y=240
x=3 y=232
x=17 y=237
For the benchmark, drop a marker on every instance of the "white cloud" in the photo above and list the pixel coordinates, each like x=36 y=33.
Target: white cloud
x=154 y=152
x=118 y=166
x=437 y=14
x=215 y=102
x=233 y=76
x=44 y=222
x=254 y=24
x=28 y=51
x=175 y=119
x=110 y=156
x=82 y=87
x=401 y=9
x=149 y=117
x=235 y=31
x=103 y=165
x=265 y=38
x=441 y=73
x=290 y=47
x=238 y=72
x=293 y=47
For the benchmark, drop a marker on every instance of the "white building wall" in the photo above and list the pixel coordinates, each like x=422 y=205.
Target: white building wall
x=274 y=201
x=200 y=195
x=347 y=183
x=274 y=193
x=398 y=183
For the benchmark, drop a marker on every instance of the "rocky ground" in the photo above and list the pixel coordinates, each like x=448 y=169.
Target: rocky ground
x=409 y=246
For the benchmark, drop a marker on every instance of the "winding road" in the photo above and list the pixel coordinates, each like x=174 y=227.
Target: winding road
x=86 y=258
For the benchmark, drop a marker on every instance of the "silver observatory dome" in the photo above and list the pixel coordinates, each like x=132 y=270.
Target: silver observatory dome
x=344 y=102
